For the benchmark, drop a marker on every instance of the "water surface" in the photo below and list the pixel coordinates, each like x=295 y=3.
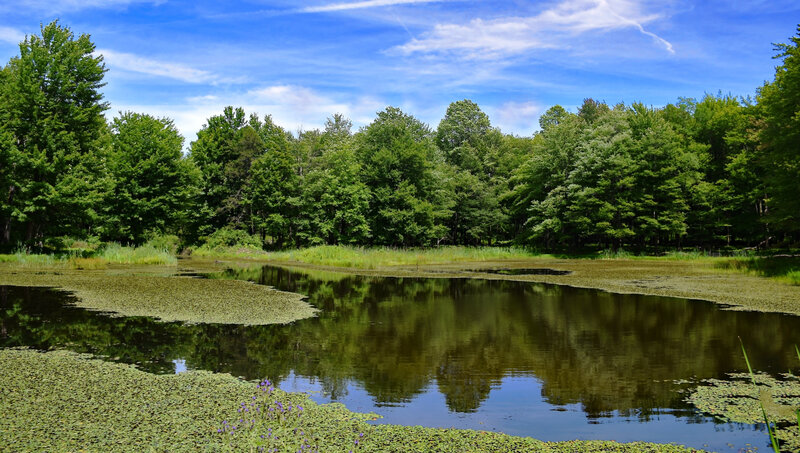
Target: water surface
x=551 y=362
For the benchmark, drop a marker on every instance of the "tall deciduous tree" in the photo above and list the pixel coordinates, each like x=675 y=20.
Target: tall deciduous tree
x=462 y=135
x=780 y=104
x=52 y=127
x=213 y=152
x=397 y=156
x=153 y=186
x=273 y=190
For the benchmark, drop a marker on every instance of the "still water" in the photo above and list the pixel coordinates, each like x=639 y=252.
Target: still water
x=555 y=363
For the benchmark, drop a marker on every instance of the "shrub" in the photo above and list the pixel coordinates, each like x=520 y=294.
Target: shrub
x=229 y=237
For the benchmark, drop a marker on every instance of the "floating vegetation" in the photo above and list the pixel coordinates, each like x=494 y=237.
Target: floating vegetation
x=683 y=278
x=170 y=298
x=61 y=401
x=739 y=400
x=523 y=271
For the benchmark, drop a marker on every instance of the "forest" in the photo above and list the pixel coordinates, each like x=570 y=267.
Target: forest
x=717 y=173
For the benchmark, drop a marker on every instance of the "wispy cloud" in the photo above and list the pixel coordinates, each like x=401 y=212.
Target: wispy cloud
x=551 y=28
x=135 y=63
x=332 y=7
x=292 y=107
x=57 y=6
x=516 y=116
x=11 y=35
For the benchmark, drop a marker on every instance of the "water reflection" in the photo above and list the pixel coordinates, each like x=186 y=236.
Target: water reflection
x=400 y=339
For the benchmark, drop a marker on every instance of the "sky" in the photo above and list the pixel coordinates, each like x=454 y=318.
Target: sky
x=301 y=62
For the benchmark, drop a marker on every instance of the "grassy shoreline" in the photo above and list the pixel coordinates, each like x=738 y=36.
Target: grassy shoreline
x=737 y=283
x=61 y=401
x=745 y=283
x=109 y=254
x=785 y=269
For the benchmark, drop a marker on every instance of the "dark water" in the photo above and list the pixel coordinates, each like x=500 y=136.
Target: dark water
x=551 y=362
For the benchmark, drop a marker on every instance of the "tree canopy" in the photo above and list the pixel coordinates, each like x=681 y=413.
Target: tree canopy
x=717 y=172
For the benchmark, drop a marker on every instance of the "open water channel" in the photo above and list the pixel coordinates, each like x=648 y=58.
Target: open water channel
x=551 y=362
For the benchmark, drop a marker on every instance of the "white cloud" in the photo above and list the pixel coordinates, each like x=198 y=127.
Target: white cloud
x=11 y=35
x=516 y=116
x=292 y=107
x=360 y=5
x=136 y=63
x=551 y=28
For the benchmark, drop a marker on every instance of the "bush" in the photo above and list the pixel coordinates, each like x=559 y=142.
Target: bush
x=166 y=242
x=229 y=237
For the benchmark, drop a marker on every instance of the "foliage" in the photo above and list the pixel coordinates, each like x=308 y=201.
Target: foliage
x=152 y=184
x=274 y=189
x=397 y=156
x=230 y=238
x=335 y=201
x=781 y=135
x=52 y=129
x=714 y=173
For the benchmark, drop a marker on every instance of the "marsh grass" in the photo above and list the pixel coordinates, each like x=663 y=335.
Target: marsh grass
x=783 y=268
x=370 y=258
x=377 y=257
x=111 y=253
x=27 y=260
x=143 y=255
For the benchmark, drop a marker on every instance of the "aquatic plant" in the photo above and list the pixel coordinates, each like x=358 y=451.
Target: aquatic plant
x=756 y=398
x=770 y=429
x=169 y=298
x=61 y=401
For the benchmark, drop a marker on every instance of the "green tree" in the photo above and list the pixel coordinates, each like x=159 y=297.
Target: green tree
x=539 y=194
x=666 y=169
x=212 y=152
x=273 y=189
x=474 y=150
x=602 y=209
x=780 y=136
x=552 y=117
x=53 y=109
x=335 y=202
x=727 y=205
x=462 y=135
x=153 y=185
x=397 y=156
x=590 y=110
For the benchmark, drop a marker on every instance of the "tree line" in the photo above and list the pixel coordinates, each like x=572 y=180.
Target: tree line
x=716 y=172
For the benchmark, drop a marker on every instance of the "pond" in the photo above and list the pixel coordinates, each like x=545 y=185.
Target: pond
x=551 y=362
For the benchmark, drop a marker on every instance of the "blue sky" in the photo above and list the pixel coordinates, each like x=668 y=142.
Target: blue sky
x=303 y=61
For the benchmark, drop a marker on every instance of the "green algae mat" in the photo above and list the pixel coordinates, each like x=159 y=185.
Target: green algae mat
x=737 y=400
x=168 y=297
x=61 y=401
